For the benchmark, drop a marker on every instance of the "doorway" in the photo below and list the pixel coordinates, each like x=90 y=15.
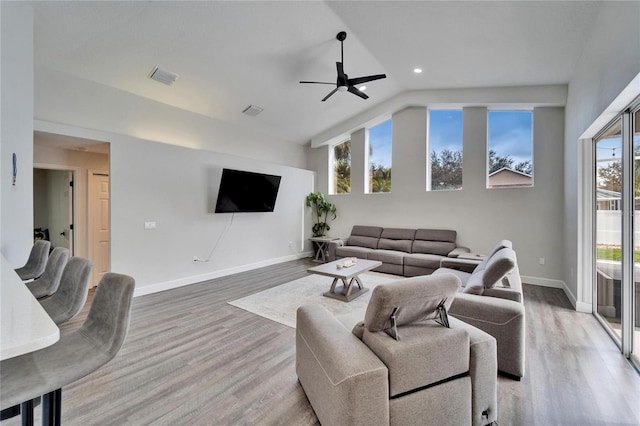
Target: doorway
x=86 y=159
x=53 y=206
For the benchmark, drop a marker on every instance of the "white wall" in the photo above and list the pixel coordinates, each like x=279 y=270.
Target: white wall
x=16 y=130
x=609 y=62
x=531 y=217
x=177 y=187
x=61 y=98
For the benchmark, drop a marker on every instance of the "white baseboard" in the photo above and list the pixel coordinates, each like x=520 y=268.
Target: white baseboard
x=542 y=282
x=181 y=282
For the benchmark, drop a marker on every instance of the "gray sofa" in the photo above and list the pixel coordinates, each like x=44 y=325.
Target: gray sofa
x=491 y=299
x=430 y=374
x=402 y=251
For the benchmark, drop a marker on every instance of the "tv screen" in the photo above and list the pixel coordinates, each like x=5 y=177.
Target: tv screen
x=247 y=192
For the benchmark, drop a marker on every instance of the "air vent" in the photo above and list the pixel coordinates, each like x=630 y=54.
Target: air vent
x=253 y=110
x=163 y=76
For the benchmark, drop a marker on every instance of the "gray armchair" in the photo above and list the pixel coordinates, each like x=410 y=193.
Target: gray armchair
x=431 y=375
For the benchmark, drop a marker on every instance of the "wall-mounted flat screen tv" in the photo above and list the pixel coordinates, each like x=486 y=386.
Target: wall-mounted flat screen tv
x=247 y=192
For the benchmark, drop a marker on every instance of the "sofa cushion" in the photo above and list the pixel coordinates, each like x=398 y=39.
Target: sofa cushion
x=436 y=235
x=499 y=246
x=429 y=261
x=398 y=245
x=432 y=247
x=498 y=266
x=425 y=354
x=387 y=256
x=416 y=299
x=367 y=231
x=398 y=234
x=353 y=251
x=361 y=241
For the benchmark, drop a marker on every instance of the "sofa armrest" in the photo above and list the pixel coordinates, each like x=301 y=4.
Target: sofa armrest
x=501 y=318
x=332 y=248
x=464 y=265
x=344 y=380
x=458 y=251
x=483 y=370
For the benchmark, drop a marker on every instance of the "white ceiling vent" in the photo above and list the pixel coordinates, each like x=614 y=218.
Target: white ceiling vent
x=163 y=76
x=253 y=110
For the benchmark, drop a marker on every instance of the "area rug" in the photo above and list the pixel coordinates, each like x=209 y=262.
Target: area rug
x=280 y=303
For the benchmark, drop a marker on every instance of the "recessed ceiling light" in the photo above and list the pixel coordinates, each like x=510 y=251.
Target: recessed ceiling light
x=417 y=70
x=362 y=88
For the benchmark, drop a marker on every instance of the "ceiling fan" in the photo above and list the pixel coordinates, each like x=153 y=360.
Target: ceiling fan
x=343 y=82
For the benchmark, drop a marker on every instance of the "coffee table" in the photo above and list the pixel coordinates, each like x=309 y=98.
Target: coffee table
x=345 y=292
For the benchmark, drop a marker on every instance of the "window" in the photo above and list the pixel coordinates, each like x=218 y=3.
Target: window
x=342 y=168
x=510 y=149
x=444 y=162
x=379 y=164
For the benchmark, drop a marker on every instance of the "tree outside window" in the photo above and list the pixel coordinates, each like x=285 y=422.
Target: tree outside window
x=444 y=166
x=510 y=149
x=342 y=168
x=380 y=157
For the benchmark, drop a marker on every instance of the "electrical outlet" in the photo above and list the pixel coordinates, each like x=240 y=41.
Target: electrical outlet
x=541 y=260
x=195 y=258
x=149 y=225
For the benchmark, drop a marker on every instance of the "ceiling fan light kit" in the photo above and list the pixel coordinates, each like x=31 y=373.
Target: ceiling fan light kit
x=343 y=82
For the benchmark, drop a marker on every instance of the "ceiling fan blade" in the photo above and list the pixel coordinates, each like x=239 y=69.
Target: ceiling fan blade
x=357 y=92
x=329 y=95
x=360 y=80
x=316 y=82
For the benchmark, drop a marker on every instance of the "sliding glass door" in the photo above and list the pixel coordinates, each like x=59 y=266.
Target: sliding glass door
x=635 y=291
x=617 y=230
x=608 y=225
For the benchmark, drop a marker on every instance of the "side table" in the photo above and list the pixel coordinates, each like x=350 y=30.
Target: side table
x=320 y=246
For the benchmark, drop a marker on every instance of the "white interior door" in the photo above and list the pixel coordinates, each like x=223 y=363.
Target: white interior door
x=99 y=225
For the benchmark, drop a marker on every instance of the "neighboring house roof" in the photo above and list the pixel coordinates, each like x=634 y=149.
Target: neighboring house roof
x=605 y=194
x=506 y=177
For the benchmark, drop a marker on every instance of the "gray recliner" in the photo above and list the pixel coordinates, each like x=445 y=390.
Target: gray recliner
x=49 y=281
x=37 y=261
x=74 y=356
x=431 y=375
x=491 y=300
x=72 y=293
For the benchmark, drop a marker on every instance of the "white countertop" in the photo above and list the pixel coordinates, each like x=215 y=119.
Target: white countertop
x=24 y=325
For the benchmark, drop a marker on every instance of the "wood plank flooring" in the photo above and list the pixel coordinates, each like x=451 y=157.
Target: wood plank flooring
x=192 y=359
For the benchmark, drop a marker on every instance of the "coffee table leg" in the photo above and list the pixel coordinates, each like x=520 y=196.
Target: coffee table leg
x=333 y=285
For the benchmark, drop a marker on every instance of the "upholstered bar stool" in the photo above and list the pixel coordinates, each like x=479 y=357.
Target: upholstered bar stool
x=49 y=281
x=73 y=357
x=72 y=293
x=37 y=261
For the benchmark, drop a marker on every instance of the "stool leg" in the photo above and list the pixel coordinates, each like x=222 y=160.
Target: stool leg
x=51 y=408
x=27 y=413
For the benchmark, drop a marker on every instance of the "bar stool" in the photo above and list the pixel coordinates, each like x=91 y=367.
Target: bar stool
x=74 y=356
x=49 y=281
x=37 y=261
x=72 y=293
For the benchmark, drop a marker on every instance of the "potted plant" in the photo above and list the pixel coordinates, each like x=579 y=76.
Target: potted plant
x=322 y=211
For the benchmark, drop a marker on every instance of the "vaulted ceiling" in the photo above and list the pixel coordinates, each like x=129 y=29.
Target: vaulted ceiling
x=233 y=54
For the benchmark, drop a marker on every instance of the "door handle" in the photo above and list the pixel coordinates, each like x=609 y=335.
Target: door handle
x=63 y=233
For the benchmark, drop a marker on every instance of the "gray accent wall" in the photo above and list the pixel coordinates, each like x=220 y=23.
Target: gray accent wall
x=531 y=217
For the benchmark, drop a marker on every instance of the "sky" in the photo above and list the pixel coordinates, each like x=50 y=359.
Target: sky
x=510 y=133
x=379 y=143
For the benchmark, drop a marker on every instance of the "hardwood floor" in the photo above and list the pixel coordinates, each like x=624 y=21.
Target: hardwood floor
x=191 y=359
